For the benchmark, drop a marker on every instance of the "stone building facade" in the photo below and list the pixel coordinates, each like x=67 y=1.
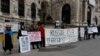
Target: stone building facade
x=97 y=11
x=68 y=11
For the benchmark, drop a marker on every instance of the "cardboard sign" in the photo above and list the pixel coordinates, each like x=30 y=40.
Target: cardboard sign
x=95 y=30
x=82 y=31
x=24 y=33
x=90 y=30
x=24 y=44
x=34 y=36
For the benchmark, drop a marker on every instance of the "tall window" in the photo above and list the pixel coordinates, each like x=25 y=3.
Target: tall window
x=21 y=7
x=66 y=14
x=44 y=6
x=5 y=6
x=33 y=11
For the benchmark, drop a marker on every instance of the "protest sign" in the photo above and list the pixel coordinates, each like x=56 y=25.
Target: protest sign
x=60 y=36
x=34 y=36
x=95 y=30
x=90 y=30
x=24 y=44
x=24 y=32
x=82 y=31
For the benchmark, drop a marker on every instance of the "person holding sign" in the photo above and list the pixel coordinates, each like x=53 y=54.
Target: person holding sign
x=20 y=34
x=42 y=30
x=8 y=45
x=95 y=31
x=35 y=29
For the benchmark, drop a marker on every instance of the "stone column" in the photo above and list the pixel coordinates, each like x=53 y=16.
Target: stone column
x=78 y=13
x=86 y=9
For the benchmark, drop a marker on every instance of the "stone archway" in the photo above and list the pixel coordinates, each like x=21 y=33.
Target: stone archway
x=33 y=11
x=89 y=13
x=66 y=14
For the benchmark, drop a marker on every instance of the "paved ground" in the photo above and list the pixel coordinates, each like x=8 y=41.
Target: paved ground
x=81 y=48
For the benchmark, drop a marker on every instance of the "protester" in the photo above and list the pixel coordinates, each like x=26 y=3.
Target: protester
x=8 y=45
x=93 y=35
x=86 y=33
x=57 y=24
x=20 y=34
x=35 y=29
x=42 y=30
x=98 y=29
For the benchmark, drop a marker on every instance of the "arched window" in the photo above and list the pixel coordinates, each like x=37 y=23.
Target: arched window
x=66 y=13
x=5 y=6
x=33 y=11
x=21 y=7
x=89 y=15
x=44 y=6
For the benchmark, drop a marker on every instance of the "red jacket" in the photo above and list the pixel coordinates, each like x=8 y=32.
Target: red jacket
x=41 y=29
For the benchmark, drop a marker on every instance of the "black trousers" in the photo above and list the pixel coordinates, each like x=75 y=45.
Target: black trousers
x=42 y=43
x=35 y=43
x=93 y=36
x=8 y=43
x=89 y=35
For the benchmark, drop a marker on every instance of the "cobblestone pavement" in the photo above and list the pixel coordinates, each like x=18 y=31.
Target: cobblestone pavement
x=81 y=48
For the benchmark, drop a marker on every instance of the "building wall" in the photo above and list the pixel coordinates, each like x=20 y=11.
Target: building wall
x=97 y=11
x=54 y=9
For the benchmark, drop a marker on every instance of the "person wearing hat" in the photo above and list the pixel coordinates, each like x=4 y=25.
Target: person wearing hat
x=8 y=45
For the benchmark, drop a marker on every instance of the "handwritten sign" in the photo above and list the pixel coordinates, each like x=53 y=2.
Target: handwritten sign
x=60 y=36
x=95 y=30
x=24 y=44
x=24 y=33
x=90 y=30
x=34 y=36
x=82 y=31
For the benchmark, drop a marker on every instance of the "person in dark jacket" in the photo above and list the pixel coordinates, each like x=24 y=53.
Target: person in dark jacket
x=42 y=30
x=86 y=33
x=93 y=35
x=8 y=45
x=20 y=34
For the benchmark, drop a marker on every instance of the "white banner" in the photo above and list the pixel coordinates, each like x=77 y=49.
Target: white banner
x=82 y=31
x=1 y=28
x=60 y=36
x=34 y=36
x=24 y=32
x=24 y=44
x=95 y=30
x=90 y=30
